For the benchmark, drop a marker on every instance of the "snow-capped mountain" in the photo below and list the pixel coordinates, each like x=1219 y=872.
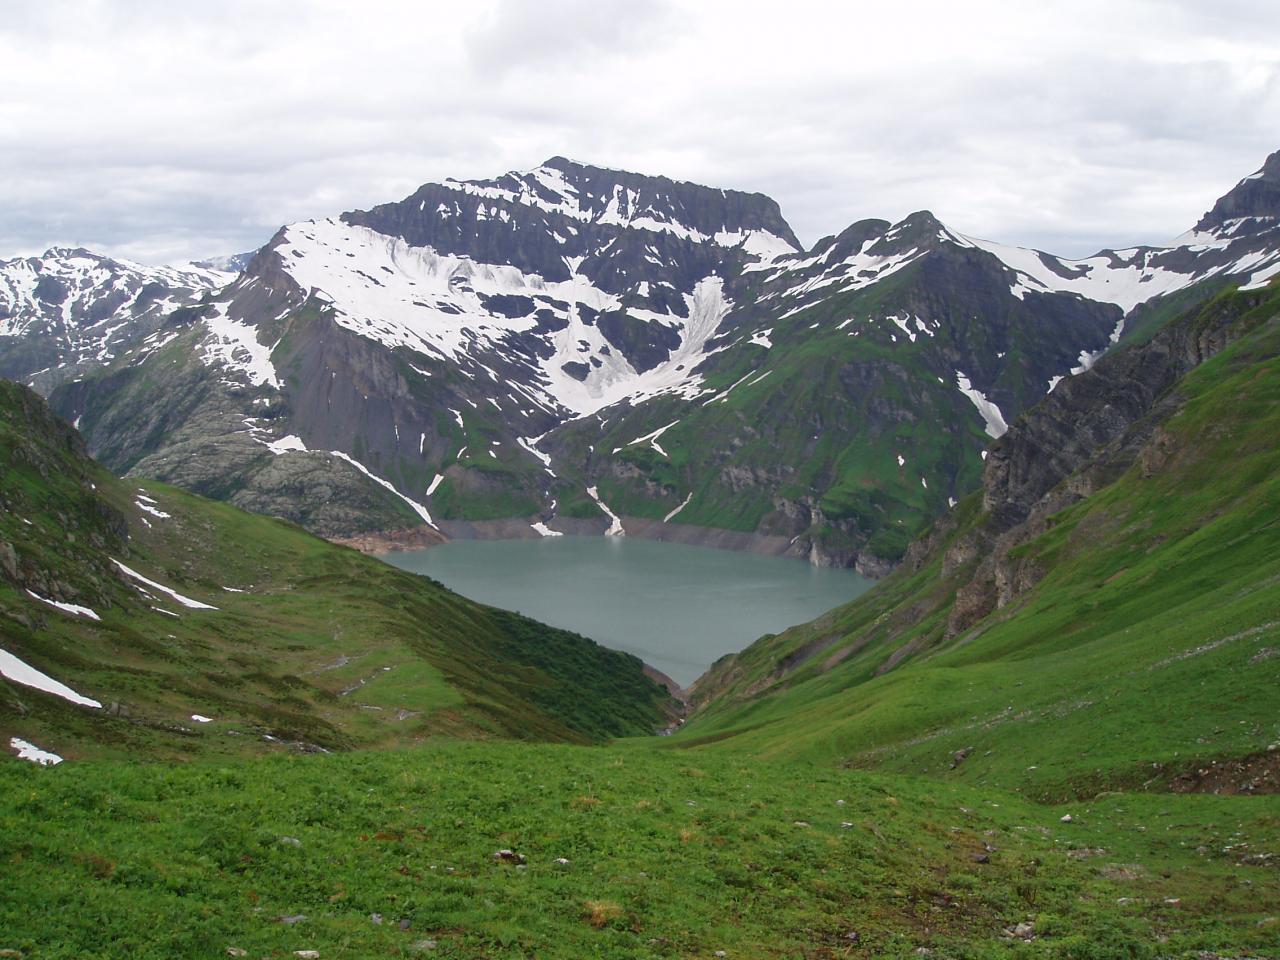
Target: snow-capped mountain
x=589 y=286
x=448 y=330
x=232 y=263
x=569 y=345
x=70 y=310
x=854 y=385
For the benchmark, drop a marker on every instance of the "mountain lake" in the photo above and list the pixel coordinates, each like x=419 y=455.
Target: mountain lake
x=678 y=608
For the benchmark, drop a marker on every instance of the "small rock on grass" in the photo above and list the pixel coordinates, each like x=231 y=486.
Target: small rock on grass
x=1023 y=931
x=508 y=856
x=307 y=954
x=1065 y=818
x=237 y=952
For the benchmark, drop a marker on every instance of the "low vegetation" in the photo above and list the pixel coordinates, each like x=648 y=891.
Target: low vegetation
x=1085 y=773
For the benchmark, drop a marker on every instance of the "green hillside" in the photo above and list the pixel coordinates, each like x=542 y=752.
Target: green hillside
x=1144 y=646
x=307 y=642
x=1052 y=734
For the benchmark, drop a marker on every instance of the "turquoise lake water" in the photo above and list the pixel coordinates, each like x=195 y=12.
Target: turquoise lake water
x=676 y=607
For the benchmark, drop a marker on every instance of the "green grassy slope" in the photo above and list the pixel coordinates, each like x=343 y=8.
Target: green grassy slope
x=317 y=644
x=668 y=856
x=1146 y=649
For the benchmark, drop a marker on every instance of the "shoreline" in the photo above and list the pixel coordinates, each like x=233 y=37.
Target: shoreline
x=516 y=528
x=447 y=531
x=637 y=527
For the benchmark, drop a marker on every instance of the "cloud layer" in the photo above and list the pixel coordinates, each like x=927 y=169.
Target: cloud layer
x=161 y=131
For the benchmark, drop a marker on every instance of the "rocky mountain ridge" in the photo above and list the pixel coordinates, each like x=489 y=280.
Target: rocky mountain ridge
x=975 y=566
x=70 y=311
x=552 y=349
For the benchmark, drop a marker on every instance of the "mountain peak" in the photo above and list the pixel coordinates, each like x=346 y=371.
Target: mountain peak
x=1257 y=195
x=564 y=163
x=63 y=253
x=567 y=197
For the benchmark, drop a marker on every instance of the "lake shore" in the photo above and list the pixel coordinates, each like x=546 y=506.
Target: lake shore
x=676 y=606
x=641 y=528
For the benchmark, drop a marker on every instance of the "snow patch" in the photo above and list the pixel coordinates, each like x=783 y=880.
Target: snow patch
x=652 y=439
x=185 y=601
x=19 y=672
x=1126 y=278
x=148 y=508
x=685 y=503
x=528 y=444
x=417 y=508
x=29 y=751
x=991 y=414
x=903 y=325
x=68 y=607
x=615 y=527
x=285 y=444
x=1261 y=278
x=234 y=345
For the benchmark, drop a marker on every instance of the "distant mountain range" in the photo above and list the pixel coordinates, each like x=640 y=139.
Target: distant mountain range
x=575 y=349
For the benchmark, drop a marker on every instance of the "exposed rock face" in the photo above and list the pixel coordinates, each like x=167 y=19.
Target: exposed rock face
x=70 y=311
x=514 y=220
x=1086 y=433
x=181 y=423
x=432 y=338
x=1088 y=412
x=1256 y=196
x=844 y=424
x=491 y=350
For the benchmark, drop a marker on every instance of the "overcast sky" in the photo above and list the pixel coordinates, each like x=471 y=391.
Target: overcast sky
x=163 y=131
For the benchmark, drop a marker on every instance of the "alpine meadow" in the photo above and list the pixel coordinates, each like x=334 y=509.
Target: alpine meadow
x=367 y=577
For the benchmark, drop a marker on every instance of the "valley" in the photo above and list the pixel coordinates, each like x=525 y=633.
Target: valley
x=1048 y=729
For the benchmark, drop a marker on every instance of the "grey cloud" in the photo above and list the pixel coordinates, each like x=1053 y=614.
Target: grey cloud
x=209 y=129
x=551 y=33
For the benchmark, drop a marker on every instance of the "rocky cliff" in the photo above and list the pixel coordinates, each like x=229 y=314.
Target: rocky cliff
x=570 y=344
